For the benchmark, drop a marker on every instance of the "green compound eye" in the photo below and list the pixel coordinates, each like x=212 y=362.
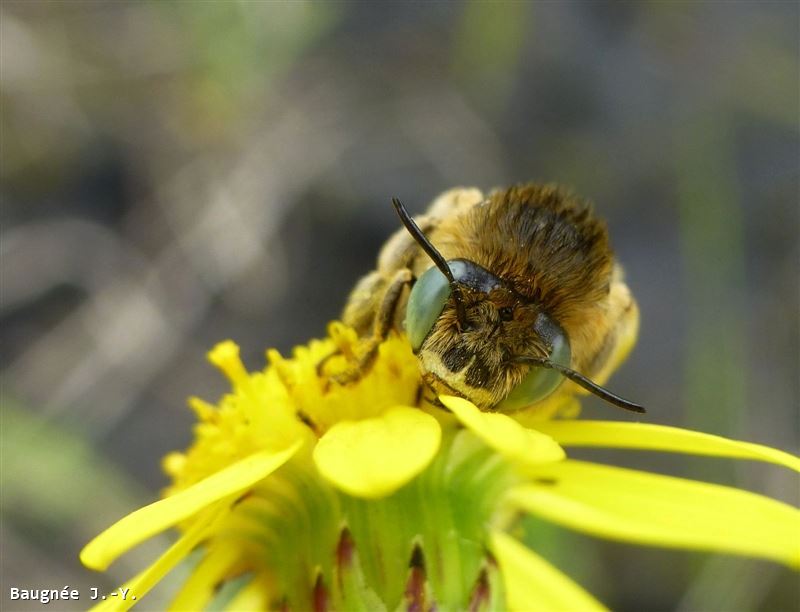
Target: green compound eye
x=540 y=382
x=432 y=290
x=426 y=302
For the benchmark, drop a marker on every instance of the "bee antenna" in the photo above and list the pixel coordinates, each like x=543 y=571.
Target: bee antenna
x=581 y=380
x=437 y=258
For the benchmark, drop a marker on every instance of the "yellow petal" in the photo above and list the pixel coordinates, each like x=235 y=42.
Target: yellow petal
x=225 y=356
x=251 y=597
x=139 y=586
x=660 y=438
x=203 y=582
x=531 y=583
x=374 y=457
x=660 y=510
x=156 y=517
x=525 y=446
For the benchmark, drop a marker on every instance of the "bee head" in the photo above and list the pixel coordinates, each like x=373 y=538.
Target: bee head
x=476 y=354
x=478 y=338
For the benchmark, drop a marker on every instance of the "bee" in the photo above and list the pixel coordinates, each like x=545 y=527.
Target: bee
x=502 y=297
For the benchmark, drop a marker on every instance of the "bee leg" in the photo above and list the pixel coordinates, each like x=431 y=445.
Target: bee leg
x=385 y=317
x=382 y=325
x=364 y=301
x=343 y=349
x=326 y=359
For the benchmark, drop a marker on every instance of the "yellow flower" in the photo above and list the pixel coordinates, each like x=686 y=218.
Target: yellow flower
x=306 y=494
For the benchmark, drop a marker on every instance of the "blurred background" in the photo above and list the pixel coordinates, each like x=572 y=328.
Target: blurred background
x=174 y=174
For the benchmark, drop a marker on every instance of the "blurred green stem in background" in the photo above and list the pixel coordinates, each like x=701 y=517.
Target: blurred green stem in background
x=715 y=379
x=243 y=48
x=57 y=490
x=49 y=474
x=487 y=49
x=711 y=230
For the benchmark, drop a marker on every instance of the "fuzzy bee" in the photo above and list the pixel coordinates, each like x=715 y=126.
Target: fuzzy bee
x=502 y=297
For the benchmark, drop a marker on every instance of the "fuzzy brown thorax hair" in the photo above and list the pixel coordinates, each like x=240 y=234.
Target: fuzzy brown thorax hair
x=543 y=241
